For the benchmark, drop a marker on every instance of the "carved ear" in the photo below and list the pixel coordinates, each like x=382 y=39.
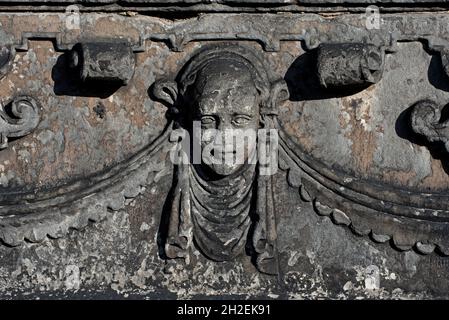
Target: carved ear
x=278 y=93
x=166 y=91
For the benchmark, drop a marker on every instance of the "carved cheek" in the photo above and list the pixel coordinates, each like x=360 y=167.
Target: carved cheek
x=209 y=136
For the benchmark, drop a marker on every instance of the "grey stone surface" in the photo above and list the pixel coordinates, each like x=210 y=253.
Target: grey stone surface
x=358 y=207
x=118 y=259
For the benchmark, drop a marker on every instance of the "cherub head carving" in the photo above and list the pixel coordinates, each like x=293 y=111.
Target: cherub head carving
x=224 y=89
x=225 y=100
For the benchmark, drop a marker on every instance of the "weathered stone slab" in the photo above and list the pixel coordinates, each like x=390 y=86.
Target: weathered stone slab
x=353 y=203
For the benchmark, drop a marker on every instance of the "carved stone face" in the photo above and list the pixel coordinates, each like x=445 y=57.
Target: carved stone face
x=226 y=103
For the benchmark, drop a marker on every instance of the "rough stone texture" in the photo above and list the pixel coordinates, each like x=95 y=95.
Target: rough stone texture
x=118 y=259
x=324 y=243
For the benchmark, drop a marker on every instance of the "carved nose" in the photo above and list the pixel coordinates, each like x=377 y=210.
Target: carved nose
x=224 y=126
x=224 y=140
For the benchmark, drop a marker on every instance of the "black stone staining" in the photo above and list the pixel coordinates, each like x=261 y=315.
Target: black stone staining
x=100 y=110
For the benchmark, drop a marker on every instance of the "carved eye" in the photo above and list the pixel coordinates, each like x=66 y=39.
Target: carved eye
x=207 y=120
x=241 y=119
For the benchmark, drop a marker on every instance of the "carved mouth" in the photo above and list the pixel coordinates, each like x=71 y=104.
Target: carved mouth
x=222 y=154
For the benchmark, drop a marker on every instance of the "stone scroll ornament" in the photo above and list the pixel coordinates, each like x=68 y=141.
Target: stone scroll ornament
x=426 y=120
x=22 y=119
x=20 y=116
x=216 y=206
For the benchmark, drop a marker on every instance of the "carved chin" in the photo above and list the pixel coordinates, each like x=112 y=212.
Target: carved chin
x=225 y=169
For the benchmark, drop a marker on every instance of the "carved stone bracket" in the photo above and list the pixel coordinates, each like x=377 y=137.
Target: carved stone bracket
x=103 y=61
x=349 y=64
x=19 y=120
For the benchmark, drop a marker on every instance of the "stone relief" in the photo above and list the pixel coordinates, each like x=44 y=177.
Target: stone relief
x=100 y=187
x=226 y=210
x=428 y=121
x=360 y=205
x=108 y=61
x=348 y=64
x=19 y=119
x=215 y=205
